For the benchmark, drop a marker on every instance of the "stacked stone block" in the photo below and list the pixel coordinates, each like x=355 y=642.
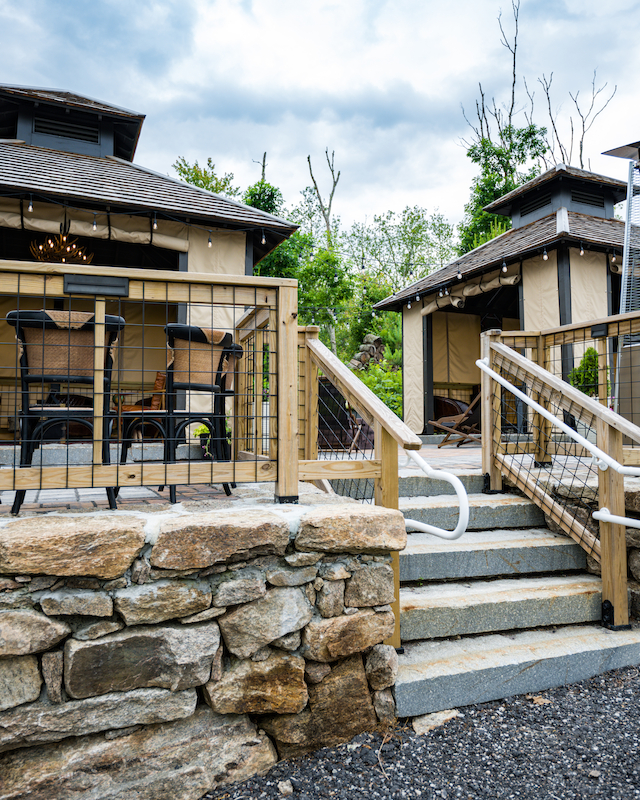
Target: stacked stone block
x=163 y=656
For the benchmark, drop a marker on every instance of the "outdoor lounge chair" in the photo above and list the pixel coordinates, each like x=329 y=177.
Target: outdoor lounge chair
x=460 y=428
x=56 y=355
x=202 y=360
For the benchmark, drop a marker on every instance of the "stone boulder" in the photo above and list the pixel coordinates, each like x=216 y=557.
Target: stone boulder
x=381 y=666
x=23 y=631
x=20 y=681
x=370 y=585
x=336 y=637
x=272 y=686
x=40 y=722
x=352 y=529
x=102 y=547
x=248 y=628
x=339 y=708
x=239 y=586
x=201 y=540
x=80 y=602
x=162 y=600
x=169 y=656
x=171 y=761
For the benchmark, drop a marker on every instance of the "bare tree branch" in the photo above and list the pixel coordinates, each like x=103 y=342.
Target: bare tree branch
x=546 y=86
x=263 y=163
x=326 y=209
x=588 y=117
x=512 y=48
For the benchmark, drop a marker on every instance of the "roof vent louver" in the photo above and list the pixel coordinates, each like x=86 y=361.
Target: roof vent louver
x=587 y=199
x=66 y=130
x=542 y=200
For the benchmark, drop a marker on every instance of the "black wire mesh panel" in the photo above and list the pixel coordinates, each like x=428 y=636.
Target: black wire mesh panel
x=546 y=463
x=344 y=435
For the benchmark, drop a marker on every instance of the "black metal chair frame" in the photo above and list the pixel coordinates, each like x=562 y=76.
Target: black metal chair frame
x=54 y=411
x=179 y=419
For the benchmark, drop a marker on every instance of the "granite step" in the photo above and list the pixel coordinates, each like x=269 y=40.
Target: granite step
x=458 y=609
x=412 y=482
x=437 y=675
x=486 y=511
x=488 y=553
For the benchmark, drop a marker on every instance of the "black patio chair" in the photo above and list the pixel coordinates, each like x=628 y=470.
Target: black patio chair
x=56 y=356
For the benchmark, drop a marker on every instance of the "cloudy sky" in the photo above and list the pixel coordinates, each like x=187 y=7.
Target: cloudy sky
x=381 y=82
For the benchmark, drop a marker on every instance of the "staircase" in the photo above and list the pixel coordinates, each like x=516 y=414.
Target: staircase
x=507 y=609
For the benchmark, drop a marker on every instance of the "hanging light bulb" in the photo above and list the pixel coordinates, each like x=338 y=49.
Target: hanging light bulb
x=504 y=265
x=459 y=275
x=209 y=240
x=581 y=249
x=95 y=224
x=263 y=240
x=613 y=258
x=30 y=207
x=446 y=291
x=155 y=223
x=417 y=298
x=440 y=293
x=545 y=257
x=409 y=304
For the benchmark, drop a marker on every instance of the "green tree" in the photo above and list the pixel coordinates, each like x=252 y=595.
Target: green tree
x=205 y=177
x=265 y=196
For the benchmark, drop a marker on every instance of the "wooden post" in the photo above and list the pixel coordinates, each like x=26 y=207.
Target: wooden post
x=241 y=402
x=491 y=412
x=541 y=425
x=613 y=546
x=99 y=336
x=603 y=372
x=287 y=355
x=386 y=494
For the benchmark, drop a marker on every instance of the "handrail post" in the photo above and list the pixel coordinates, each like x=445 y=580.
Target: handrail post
x=286 y=490
x=386 y=494
x=491 y=415
x=541 y=426
x=99 y=339
x=613 y=547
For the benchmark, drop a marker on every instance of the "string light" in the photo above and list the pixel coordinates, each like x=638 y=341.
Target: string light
x=613 y=258
x=263 y=240
x=504 y=265
x=417 y=298
x=95 y=224
x=545 y=257
x=409 y=304
x=155 y=222
x=459 y=276
x=209 y=244
x=581 y=249
x=30 y=208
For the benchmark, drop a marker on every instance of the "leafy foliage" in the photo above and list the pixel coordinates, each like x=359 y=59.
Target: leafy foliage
x=585 y=375
x=265 y=196
x=513 y=159
x=386 y=383
x=205 y=177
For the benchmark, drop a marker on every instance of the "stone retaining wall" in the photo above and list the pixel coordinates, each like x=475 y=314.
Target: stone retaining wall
x=160 y=655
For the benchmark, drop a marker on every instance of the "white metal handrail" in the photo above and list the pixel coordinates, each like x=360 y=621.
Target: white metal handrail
x=463 y=516
x=601 y=459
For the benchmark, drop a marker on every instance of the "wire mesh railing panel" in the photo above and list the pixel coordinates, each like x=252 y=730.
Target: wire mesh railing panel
x=544 y=462
x=344 y=436
x=146 y=385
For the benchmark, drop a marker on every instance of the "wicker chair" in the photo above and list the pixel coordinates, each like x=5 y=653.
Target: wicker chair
x=56 y=355
x=202 y=360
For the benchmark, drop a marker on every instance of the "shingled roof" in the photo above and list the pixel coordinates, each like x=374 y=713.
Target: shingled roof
x=503 y=204
x=122 y=185
x=58 y=97
x=515 y=245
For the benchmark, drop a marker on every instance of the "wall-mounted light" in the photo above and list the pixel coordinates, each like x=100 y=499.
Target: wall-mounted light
x=545 y=257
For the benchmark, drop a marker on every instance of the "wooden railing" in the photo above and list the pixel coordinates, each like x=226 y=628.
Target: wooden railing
x=534 y=362
x=155 y=298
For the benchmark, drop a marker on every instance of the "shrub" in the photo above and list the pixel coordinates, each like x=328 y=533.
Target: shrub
x=386 y=383
x=585 y=375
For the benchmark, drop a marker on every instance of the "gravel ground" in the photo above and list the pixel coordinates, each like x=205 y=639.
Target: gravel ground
x=582 y=743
